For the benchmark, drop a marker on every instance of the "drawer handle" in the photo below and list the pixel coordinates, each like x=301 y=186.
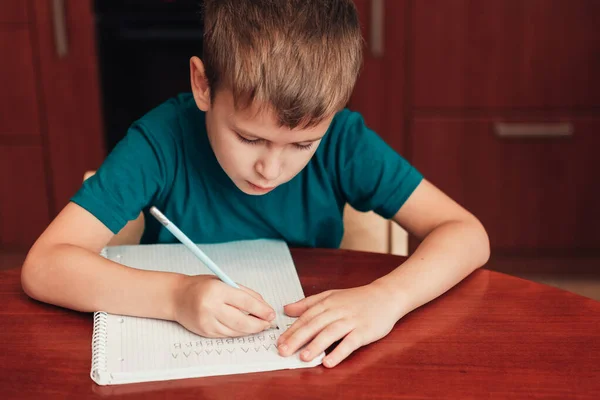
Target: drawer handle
x=377 y=27
x=524 y=130
x=60 y=28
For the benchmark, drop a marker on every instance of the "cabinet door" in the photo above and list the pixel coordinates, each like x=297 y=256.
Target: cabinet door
x=19 y=101
x=13 y=11
x=536 y=193
x=508 y=53
x=70 y=93
x=379 y=91
x=24 y=202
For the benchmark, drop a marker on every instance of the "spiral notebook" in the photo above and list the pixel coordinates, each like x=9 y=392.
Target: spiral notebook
x=129 y=349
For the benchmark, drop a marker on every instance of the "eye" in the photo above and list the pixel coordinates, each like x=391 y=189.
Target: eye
x=303 y=146
x=248 y=141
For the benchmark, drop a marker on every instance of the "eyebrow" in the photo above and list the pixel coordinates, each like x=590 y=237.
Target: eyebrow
x=253 y=136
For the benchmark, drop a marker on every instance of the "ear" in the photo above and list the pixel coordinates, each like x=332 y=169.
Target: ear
x=200 y=87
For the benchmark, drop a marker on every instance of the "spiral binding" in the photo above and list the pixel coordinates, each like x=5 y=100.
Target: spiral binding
x=99 y=338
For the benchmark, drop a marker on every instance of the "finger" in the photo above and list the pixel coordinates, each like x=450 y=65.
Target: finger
x=240 y=322
x=304 y=319
x=332 y=333
x=245 y=302
x=298 y=308
x=350 y=343
x=306 y=332
x=254 y=294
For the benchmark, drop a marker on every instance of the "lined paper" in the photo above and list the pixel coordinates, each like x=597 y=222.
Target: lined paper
x=143 y=349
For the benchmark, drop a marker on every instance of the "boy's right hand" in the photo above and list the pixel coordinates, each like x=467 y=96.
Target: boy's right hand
x=207 y=306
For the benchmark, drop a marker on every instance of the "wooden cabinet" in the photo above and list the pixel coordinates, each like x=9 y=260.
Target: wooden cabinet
x=18 y=102
x=380 y=92
x=50 y=129
x=13 y=11
x=473 y=54
x=456 y=75
x=70 y=94
x=505 y=116
x=536 y=193
x=24 y=211
x=439 y=77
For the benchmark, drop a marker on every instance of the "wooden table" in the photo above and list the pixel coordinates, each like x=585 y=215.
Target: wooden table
x=492 y=336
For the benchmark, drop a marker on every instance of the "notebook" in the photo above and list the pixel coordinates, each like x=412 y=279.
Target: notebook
x=129 y=349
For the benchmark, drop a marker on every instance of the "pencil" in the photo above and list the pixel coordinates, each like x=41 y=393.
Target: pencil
x=182 y=237
x=192 y=247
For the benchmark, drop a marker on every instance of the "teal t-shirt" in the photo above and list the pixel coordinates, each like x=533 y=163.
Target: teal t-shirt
x=166 y=160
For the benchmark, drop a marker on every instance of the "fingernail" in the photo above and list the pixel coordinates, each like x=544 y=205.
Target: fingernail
x=271 y=316
x=306 y=354
x=283 y=347
x=328 y=362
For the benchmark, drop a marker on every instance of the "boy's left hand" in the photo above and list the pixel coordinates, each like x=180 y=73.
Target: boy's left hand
x=360 y=315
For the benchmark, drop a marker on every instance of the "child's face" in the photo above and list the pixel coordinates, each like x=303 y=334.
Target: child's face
x=254 y=151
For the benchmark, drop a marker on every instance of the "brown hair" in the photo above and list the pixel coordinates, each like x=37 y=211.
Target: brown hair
x=301 y=58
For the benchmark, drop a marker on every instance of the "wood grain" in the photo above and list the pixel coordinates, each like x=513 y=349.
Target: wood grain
x=70 y=96
x=531 y=194
x=492 y=336
x=509 y=53
x=13 y=11
x=24 y=210
x=19 y=101
x=380 y=89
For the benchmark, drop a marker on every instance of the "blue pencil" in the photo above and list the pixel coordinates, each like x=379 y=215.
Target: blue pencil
x=192 y=247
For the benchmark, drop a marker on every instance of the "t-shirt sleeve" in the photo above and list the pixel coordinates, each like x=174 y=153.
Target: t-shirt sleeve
x=133 y=174
x=371 y=175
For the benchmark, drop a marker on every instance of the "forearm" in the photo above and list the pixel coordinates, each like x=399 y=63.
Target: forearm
x=445 y=257
x=75 y=278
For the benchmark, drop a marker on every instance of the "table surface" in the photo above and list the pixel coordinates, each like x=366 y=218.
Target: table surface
x=492 y=336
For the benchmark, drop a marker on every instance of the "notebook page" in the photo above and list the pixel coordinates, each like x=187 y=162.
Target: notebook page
x=150 y=347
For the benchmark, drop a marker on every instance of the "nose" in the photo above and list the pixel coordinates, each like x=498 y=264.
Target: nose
x=269 y=166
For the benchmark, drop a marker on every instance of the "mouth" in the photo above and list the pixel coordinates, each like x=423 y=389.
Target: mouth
x=260 y=189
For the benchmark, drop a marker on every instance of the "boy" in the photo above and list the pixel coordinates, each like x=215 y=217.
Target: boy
x=262 y=148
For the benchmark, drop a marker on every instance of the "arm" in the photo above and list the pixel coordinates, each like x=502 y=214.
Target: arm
x=454 y=244
x=64 y=268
